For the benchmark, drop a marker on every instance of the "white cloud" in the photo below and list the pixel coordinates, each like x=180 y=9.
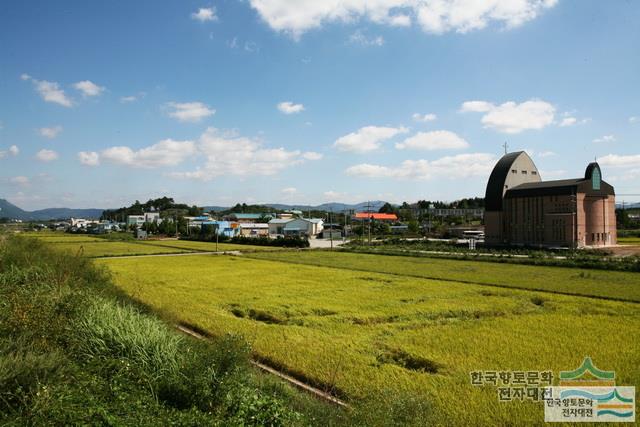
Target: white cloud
x=89 y=158
x=88 y=88
x=229 y=154
x=359 y=38
x=312 y=155
x=433 y=16
x=13 y=151
x=288 y=107
x=634 y=119
x=45 y=155
x=622 y=161
x=127 y=99
x=51 y=132
x=459 y=166
x=546 y=154
x=424 y=117
x=476 y=107
x=49 y=91
x=605 y=139
x=568 y=121
x=19 y=180
x=368 y=138
x=435 y=140
x=289 y=191
x=205 y=14
x=164 y=153
x=512 y=117
x=190 y=111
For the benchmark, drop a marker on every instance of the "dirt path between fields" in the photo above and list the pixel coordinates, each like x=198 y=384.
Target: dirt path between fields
x=289 y=379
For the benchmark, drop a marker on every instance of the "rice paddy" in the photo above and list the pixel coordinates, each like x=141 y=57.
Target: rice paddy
x=574 y=281
x=338 y=321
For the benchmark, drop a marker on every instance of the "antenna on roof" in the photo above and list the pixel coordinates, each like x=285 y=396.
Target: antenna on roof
x=506 y=147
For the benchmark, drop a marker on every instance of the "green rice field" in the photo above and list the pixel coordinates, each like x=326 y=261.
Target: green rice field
x=207 y=246
x=106 y=249
x=99 y=247
x=629 y=240
x=574 y=281
x=364 y=326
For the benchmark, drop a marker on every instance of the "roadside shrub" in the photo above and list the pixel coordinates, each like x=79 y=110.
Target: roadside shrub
x=250 y=407
x=106 y=329
x=208 y=374
x=23 y=373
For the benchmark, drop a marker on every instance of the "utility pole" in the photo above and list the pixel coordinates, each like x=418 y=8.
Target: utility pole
x=506 y=147
x=331 y=228
x=369 y=215
x=217 y=234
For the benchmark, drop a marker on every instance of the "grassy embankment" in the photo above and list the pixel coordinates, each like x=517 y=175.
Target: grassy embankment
x=365 y=334
x=75 y=351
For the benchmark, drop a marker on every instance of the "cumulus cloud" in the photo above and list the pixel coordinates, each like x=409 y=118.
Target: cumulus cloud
x=368 y=138
x=89 y=158
x=634 y=119
x=50 y=132
x=49 y=91
x=546 y=154
x=424 y=117
x=435 y=140
x=205 y=14
x=512 y=117
x=433 y=16
x=605 y=139
x=164 y=153
x=361 y=39
x=459 y=166
x=189 y=111
x=45 y=155
x=229 y=154
x=289 y=191
x=312 y=155
x=621 y=161
x=568 y=121
x=20 y=180
x=288 y=107
x=12 y=151
x=88 y=88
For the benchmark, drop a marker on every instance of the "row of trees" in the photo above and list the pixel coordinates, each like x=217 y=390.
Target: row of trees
x=165 y=205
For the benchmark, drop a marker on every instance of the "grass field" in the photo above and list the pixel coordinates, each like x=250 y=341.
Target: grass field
x=208 y=246
x=369 y=334
x=98 y=247
x=105 y=248
x=629 y=240
x=574 y=281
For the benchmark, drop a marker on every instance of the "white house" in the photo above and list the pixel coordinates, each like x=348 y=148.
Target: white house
x=296 y=227
x=139 y=220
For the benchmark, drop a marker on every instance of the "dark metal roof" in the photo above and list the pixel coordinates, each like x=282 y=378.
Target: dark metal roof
x=589 y=172
x=559 y=188
x=495 y=186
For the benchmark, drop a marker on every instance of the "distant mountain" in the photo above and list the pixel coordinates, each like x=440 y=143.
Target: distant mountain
x=628 y=205
x=8 y=210
x=335 y=207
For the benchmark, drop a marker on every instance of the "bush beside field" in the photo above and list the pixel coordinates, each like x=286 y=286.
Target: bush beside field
x=73 y=350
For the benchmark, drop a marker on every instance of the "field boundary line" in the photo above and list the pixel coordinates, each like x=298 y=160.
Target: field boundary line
x=466 y=282
x=297 y=383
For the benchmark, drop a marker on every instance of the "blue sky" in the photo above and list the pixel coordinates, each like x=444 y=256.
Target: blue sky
x=217 y=102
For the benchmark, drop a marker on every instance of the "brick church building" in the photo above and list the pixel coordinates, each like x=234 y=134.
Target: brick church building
x=523 y=210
